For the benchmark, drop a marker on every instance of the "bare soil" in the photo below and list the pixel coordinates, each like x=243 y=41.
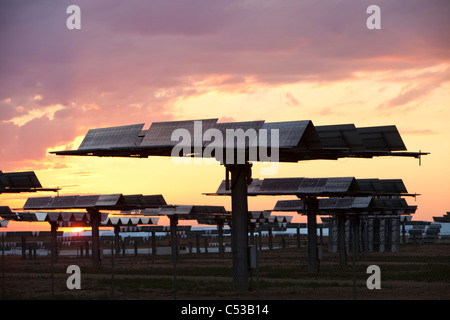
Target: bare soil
x=417 y=272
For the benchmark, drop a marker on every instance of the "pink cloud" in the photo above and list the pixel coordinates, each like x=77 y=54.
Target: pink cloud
x=134 y=60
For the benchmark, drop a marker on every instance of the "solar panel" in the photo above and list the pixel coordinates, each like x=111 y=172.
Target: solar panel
x=238 y=135
x=338 y=184
x=207 y=209
x=288 y=205
x=290 y=133
x=20 y=180
x=281 y=185
x=37 y=203
x=153 y=200
x=3 y=180
x=328 y=204
x=312 y=185
x=86 y=201
x=106 y=200
x=395 y=186
x=340 y=136
x=6 y=213
x=361 y=202
x=386 y=138
x=160 y=133
x=104 y=138
x=63 y=202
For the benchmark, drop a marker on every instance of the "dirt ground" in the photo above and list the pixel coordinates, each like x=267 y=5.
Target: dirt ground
x=418 y=272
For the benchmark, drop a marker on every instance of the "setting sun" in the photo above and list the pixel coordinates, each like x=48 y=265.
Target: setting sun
x=77 y=229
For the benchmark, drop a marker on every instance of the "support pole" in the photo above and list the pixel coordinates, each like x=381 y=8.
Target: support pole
x=116 y=240
x=54 y=240
x=220 y=224
x=153 y=243
x=341 y=238
x=95 y=222
x=356 y=227
x=270 y=238
x=173 y=233
x=312 y=205
x=240 y=175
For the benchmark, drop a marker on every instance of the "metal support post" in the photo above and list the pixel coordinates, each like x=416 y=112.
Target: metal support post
x=341 y=238
x=95 y=223
x=240 y=177
x=173 y=233
x=116 y=240
x=220 y=224
x=312 y=205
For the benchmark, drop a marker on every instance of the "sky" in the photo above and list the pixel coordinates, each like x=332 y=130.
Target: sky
x=236 y=60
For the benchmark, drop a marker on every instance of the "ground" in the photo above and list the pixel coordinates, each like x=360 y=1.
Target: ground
x=417 y=271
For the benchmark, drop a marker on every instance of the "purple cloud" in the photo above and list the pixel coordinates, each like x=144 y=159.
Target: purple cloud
x=132 y=60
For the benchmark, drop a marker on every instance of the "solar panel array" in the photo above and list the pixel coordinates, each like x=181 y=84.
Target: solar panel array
x=344 y=186
x=444 y=218
x=107 y=201
x=350 y=205
x=105 y=138
x=298 y=140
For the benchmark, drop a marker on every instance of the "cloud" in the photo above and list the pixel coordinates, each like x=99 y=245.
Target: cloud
x=421 y=85
x=132 y=61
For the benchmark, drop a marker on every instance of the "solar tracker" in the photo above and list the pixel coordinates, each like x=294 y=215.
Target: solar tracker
x=356 y=204
x=16 y=182
x=298 y=140
x=107 y=201
x=345 y=186
x=104 y=138
x=336 y=142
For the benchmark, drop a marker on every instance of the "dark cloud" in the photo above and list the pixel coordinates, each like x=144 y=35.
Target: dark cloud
x=132 y=60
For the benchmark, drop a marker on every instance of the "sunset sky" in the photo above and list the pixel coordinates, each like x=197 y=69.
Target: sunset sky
x=236 y=60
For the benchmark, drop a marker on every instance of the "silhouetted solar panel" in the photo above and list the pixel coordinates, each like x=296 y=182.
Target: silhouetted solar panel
x=121 y=136
x=345 y=186
x=38 y=203
x=281 y=184
x=311 y=185
x=86 y=201
x=341 y=136
x=342 y=184
x=160 y=133
x=5 y=212
x=381 y=138
x=288 y=205
x=230 y=130
x=394 y=186
x=361 y=202
x=291 y=133
x=105 y=200
x=340 y=140
x=64 y=202
x=356 y=204
x=152 y=200
x=19 y=180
